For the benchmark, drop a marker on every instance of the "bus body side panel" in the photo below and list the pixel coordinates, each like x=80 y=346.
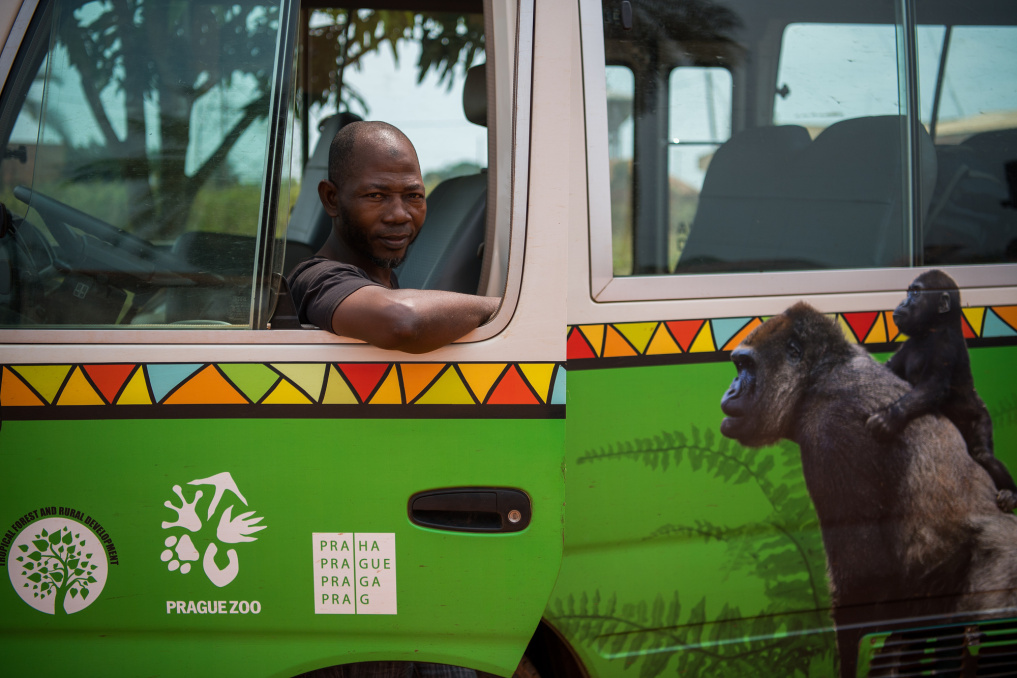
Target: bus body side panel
x=684 y=550
x=283 y=543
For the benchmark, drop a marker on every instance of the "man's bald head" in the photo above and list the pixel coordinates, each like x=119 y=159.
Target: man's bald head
x=342 y=152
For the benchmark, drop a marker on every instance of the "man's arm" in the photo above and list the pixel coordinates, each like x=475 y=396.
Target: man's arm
x=415 y=321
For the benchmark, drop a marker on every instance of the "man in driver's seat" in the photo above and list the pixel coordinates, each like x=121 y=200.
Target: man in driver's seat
x=375 y=196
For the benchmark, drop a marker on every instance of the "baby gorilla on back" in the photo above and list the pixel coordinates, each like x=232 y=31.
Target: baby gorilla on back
x=934 y=360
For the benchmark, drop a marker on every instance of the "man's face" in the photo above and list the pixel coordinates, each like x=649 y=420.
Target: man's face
x=381 y=203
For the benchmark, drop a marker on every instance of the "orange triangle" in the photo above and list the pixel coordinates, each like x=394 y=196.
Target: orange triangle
x=14 y=392
x=207 y=387
x=891 y=327
x=417 y=377
x=480 y=377
x=1007 y=314
x=389 y=392
x=78 y=391
x=615 y=344
x=512 y=390
x=684 y=331
x=877 y=335
x=734 y=341
x=109 y=378
x=662 y=343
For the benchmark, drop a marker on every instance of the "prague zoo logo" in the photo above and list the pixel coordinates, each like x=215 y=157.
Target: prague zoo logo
x=59 y=565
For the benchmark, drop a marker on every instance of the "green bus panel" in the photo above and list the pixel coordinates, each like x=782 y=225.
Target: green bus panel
x=316 y=485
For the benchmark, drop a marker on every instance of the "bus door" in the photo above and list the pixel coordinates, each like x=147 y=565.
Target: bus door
x=195 y=482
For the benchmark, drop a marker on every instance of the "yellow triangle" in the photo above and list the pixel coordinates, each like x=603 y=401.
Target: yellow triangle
x=136 y=391
x=481 y=377
x=975 y=318
x=286 y=393
x=45 y=379
x=877 y=335
x=704 y=340
x=389 y=392
x=638 y=334
x=448 y=390
x=337 y=392
x=78 y=391
x=662 y=343
x=846 y=329
x=539 y=375
x=595 y=335
x=308 y=376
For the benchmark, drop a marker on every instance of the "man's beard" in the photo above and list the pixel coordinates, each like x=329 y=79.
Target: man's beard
x=356 y=239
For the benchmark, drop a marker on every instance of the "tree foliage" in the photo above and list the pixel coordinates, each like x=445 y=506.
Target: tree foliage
x=56 y=565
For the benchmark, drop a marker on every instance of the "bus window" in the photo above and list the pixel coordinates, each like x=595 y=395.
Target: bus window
x=620 y=89
x=968 y=77
x=135 y=151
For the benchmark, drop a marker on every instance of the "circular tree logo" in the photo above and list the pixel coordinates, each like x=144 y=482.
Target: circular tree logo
x=59 y=567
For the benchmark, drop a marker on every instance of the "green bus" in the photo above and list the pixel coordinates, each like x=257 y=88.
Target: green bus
x=197 y=484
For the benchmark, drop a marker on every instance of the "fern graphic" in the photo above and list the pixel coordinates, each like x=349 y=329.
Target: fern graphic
x=783 y=549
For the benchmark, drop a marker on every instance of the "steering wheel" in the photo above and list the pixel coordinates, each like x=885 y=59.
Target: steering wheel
x=104 y=247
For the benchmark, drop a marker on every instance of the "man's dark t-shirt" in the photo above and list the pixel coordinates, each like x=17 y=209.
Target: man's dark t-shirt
x=319 y=285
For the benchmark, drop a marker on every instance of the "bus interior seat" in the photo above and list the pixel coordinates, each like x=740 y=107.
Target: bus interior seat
x=774 y=200
x=223 y=295
x=309 y=225
x=448 y=252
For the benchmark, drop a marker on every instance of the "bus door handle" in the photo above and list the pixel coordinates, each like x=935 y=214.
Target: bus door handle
x=471 y=509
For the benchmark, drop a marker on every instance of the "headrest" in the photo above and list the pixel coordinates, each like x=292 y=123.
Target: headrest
x=475 y=95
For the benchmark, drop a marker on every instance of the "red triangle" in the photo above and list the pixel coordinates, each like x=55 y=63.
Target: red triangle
x=512 y=390
x=966 y=328
x=364 y=377
x=684 y=331
x=109 y=379
x=577 y=346
x=861 y=323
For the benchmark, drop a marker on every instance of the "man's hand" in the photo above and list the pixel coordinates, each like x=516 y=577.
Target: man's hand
x=415 y=321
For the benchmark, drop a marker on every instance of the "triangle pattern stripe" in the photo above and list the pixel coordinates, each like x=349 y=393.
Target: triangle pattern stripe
x=337 y=391
x=79 y=391
x=966 y=329
x=684 y=331
x=996 y=327
x=14 y=392
x=417 y=377
x=363 y=377
x=738 y=338
x=136 y=390
x=892 y=331
x=285 y=393
x=849 y=334
x=877 y=335
x=1007 y=314
x=704 y=341
x=207 y=387
x=576 y=346
x=539 y=375
x=512 y=390
x=558 y=393
x=975 y=317
x=662 y=343
x=46 y=380
x=595 y=335
x=637 y=334
x=615 y=345
x=164 y=377
x=480 y=377
x=109 y=378
x=308 y=377
x=389 y=393
x=252 y=379
x=860 y=323
x=449 y=389
x=725 y=328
